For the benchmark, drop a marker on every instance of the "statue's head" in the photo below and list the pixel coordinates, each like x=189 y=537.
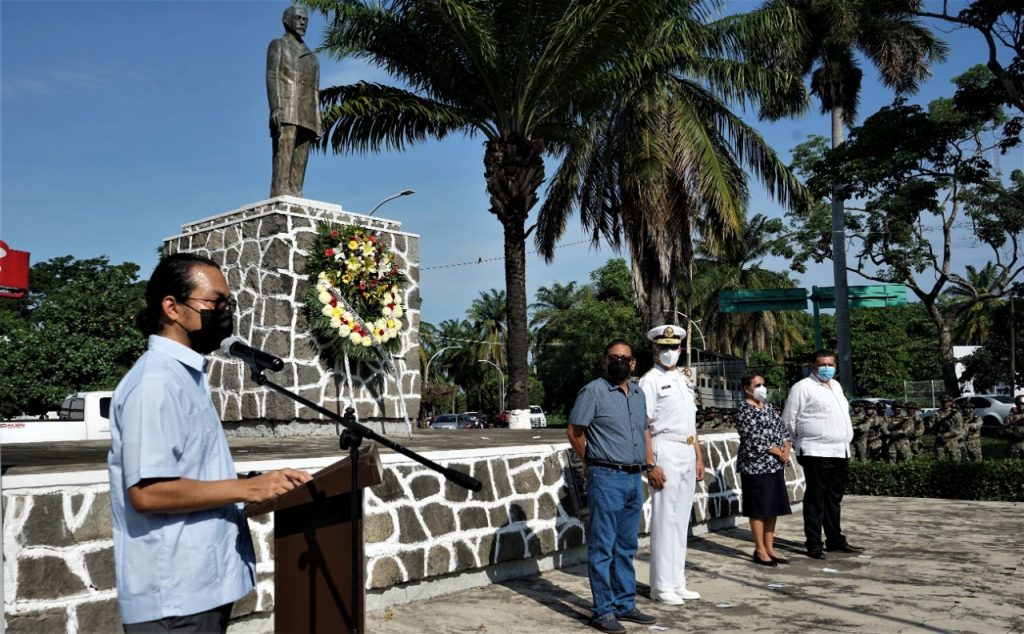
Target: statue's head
x=295 y=20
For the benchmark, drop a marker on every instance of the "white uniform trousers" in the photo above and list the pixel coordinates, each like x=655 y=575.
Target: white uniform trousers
x=670 y=513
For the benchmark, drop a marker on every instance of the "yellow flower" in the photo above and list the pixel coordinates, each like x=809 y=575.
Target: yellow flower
x=353 y=244
x=336 y=312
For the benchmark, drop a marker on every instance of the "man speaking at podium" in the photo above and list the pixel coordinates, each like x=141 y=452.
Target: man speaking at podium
x=182 y=549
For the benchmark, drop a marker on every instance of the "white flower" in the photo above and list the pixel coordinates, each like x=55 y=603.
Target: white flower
x=366 y=342
x=398 y=311
x=344 y=330
x=324 y=297
x=335 y=322
x=327 y=310
x=355 y=338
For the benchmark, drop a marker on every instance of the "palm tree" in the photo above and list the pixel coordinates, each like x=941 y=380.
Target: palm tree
x=832 y=34
x=977 y=298
x=670 y=159
x=490 y=323
x=524 y=74
x=739 y=265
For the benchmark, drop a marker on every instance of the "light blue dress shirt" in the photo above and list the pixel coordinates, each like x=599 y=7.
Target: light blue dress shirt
x=164 y=425
x=614 y=421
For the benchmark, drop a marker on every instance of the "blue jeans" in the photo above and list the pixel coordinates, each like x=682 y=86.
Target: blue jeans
x=615 y=500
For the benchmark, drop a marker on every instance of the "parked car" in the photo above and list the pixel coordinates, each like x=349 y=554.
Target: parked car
x=537 y=417
x=451 y=421
x=992 y=408
x=478 y=420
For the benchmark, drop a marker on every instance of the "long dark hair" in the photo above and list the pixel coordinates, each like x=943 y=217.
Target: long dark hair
x=172 y=276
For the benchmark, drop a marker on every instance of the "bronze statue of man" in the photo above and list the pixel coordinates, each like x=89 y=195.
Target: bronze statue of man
x=293 y=89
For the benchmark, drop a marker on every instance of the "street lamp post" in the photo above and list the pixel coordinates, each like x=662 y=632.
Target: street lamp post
x=404 y=192
x=426 y=373
x=501 y=383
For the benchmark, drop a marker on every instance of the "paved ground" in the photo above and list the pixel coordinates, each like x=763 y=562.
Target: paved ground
x=931 y=566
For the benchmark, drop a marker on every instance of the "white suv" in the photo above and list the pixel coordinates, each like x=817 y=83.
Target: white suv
x=537 y=417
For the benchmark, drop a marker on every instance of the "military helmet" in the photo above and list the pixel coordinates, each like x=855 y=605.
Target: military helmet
x=966 y=404
x=897 y=405
x=880 y=407
x=912 y=405
x=947 y=400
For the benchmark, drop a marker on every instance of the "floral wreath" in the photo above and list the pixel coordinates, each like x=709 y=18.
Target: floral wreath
x=355 y=298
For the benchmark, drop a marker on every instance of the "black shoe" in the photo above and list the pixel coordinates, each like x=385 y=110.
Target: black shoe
x=846 y=548
x=762 y=562
x=636 y=616
x=779 y=560
x=607 y=623
x=815 y=554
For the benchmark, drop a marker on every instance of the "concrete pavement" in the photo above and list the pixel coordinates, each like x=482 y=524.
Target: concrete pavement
x=930 y=566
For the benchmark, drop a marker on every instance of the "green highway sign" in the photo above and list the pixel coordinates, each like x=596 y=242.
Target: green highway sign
x=769 y=299
x=871 y=296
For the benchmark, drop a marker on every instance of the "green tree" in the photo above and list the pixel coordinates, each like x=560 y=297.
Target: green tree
x=671 y=158
x=832 y=36
x=523 y=74
x=739 y=265
x=975 y=303
x=488 y=315
x=77 y=332
x=569 y=354
x=923 y=172
x=989 y=365
x=1001 y=23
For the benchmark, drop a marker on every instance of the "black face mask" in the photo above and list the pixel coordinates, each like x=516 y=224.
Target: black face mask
x=217 y=326
x=618 y=370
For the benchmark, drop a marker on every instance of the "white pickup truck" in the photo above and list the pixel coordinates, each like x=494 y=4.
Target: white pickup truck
x=82 y=416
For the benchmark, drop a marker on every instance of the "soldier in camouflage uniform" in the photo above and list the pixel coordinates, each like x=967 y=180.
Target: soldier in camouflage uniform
x=948 y=427
x=877 y=431
x=861 y=423
x=1013 y=430
x=972 y=433
x=900 y=428
x=917 y=423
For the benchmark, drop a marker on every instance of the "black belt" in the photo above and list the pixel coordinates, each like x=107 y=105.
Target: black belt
x=628 y=468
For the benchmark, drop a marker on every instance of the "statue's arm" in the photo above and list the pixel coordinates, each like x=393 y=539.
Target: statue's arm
x=275 y=52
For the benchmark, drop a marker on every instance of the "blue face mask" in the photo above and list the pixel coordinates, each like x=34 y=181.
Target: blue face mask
x=826 y=372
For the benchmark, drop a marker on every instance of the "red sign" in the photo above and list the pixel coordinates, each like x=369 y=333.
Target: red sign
x=13 y=271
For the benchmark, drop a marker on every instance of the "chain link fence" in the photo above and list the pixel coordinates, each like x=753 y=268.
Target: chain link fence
x=924 y=393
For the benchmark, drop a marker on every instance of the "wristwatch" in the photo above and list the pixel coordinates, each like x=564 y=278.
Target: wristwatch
x=647 y=468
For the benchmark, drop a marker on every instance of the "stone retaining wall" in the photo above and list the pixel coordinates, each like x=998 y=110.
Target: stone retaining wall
x=419 y=529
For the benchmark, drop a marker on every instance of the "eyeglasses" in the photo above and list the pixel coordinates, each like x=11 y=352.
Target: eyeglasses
x=219 y=303
x=619 y=357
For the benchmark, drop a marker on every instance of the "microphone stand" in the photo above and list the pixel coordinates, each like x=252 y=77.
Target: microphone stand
x=350 y=440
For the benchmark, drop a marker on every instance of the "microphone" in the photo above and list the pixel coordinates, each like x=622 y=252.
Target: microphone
x=257 y=360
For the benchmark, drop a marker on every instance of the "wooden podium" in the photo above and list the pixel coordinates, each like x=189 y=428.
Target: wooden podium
x=318 y=548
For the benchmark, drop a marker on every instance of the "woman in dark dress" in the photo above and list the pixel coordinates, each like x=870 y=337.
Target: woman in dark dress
x=763 y=454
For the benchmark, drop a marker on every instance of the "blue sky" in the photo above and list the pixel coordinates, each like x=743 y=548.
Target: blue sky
x=121 y=121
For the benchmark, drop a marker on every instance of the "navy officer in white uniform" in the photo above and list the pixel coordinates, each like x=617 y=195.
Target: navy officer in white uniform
x=678 y=464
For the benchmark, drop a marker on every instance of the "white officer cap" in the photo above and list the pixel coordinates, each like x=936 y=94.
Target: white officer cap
x=666 y=335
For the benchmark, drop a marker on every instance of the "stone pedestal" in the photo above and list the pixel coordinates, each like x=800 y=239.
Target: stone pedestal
x=262 y=249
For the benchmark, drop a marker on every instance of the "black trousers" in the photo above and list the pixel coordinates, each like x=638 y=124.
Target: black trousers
x=823 y=498
x=213 y=621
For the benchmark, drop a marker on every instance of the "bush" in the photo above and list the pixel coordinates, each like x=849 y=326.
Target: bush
x=1001 y=480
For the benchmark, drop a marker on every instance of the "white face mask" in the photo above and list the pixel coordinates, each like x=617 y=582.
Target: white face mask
x=668 y=358
x=760 y=393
